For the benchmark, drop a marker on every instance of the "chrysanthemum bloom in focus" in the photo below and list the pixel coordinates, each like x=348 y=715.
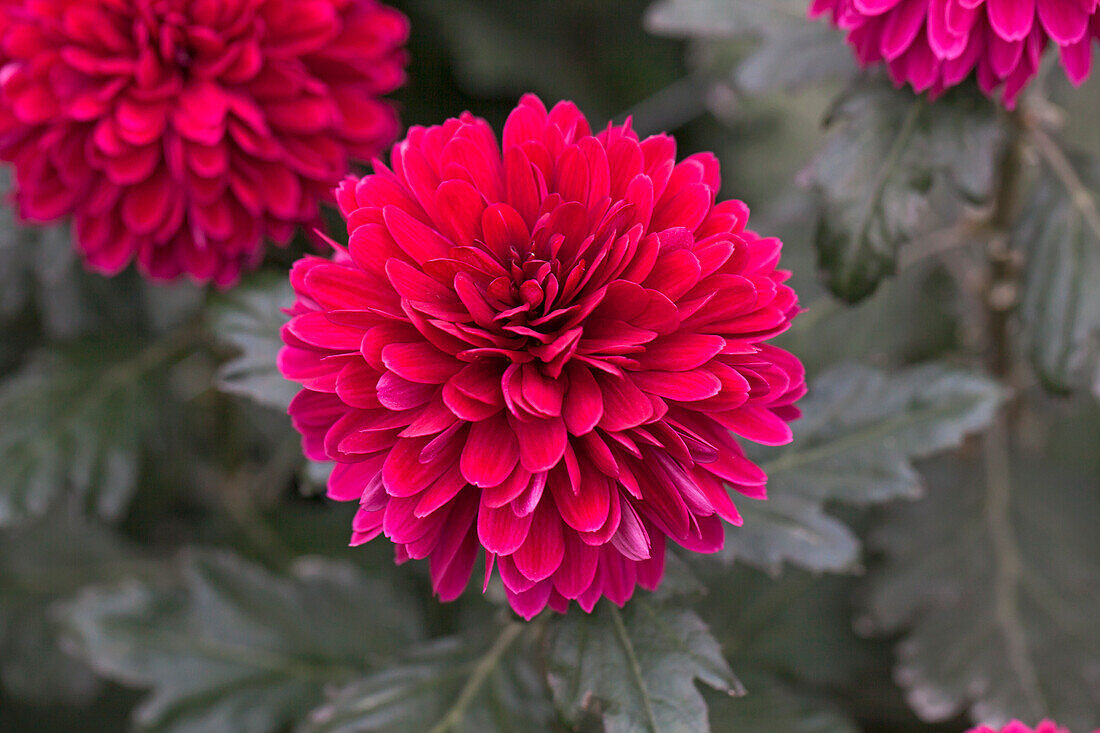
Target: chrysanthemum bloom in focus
x=1015 y=726
x=544 y=353
x=936 y=44
x=181 y=132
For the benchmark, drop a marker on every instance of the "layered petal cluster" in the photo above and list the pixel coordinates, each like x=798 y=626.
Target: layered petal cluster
x=180 y=132
x=936 y=44
x=543 y=350
x=1015 y=726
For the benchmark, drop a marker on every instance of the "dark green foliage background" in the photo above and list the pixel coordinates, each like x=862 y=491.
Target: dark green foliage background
x=167 y=561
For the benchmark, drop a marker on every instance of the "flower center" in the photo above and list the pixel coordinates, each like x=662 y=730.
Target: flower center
x=531 y=279
x=162 y=33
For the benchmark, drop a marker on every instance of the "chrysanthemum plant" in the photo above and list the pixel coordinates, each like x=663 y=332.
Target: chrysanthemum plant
x=533 y=426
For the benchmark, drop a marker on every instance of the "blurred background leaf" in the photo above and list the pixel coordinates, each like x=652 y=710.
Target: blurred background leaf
x=234 y=647
x=42 y=563
x=875 y=174
x=76 y=419
x=722 y=18
x=453 y=683
x=1060 y=233
x=993 y=578
x=248 y=319
x=854 y=444
x=790 y=52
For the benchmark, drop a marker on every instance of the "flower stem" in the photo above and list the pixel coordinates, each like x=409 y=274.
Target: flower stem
x=485 y=666
x=1008 y=565
x=1003 y=293
x=1001 y=299
x=1063 y=169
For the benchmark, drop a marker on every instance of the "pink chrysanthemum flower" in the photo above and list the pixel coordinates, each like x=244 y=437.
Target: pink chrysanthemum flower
x=181 y=132
x=1015 y=726
x=936 y=44
x=544 y=353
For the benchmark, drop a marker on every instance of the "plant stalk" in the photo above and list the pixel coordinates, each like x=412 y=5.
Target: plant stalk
x=485 y=666
x=1001 y=299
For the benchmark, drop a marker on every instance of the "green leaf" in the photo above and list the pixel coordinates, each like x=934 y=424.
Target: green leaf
x=636 y=668
x=871 y=193
x=1060 y=233
x=449 y=684
x=962 y=138
x=248 y=319
x=861 y=428
x=41 y=563
x=874 y=175
x=993 y=581
x=792 y=53
x=239 y=648
x=794 y=529
x=76 y=419
x=795 y=56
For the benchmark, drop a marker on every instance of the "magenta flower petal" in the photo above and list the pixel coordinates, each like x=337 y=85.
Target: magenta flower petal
x=180 y=134
x=902 y=28
x=500 y=531
x=1011 y=19
x=537 y=352
x=1077 y=61
x=543 y=550
x=936 y=44
x=1065 y=21
x=491 y=452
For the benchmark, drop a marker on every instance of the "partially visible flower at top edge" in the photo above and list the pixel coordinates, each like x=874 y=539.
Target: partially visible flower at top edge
x=1015 y=726
x=544 y=350
x=181 y=133
x=936 y=44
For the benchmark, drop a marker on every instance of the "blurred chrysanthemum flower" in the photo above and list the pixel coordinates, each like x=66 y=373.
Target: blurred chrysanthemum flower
x=543 y=352
x=181 y=132
x=1015 y=726
x=936 y=44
